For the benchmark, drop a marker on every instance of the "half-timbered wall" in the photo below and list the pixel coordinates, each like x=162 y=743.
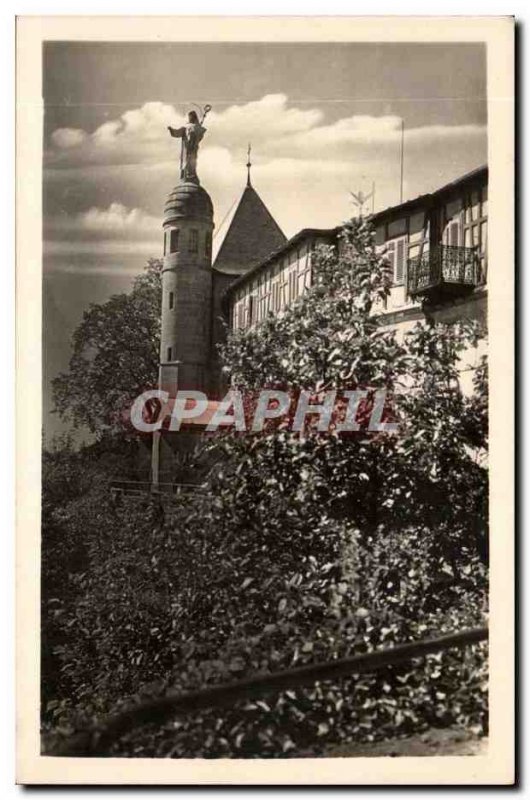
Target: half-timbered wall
x=273 y=287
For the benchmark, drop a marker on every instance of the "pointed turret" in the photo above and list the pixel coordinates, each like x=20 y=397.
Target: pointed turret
x=253 y=233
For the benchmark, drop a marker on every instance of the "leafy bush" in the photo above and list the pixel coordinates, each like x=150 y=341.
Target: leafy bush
x=189 y=601
x=304 y=549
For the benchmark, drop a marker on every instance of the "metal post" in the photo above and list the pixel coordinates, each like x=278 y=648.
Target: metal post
x=402 y=157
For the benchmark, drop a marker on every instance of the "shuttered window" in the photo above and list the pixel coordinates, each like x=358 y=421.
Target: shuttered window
x=397 y=256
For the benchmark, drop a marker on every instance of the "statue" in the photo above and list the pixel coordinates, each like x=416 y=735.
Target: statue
x=191 y=135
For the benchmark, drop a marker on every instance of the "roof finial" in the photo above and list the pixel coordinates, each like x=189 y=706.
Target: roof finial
x=249 y=164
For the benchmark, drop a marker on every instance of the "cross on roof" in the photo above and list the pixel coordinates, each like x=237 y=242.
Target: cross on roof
x=249 y=164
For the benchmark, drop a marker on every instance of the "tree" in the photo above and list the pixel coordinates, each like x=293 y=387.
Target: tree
x=430 y=472
x=115 y=357
x=302 y=549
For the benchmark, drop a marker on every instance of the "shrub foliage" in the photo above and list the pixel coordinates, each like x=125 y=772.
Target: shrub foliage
x=304 y=548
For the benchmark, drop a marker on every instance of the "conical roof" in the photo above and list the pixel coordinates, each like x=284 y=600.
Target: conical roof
x=252 y=235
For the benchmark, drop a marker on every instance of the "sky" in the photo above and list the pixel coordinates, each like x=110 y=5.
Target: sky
x=323 y=120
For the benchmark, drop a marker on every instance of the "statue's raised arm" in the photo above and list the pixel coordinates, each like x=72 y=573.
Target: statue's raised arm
x=191 y=135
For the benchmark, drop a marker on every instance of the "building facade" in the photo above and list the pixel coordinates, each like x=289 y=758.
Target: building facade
x=435 y=244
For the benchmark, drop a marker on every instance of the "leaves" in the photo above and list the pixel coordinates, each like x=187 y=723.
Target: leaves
x=303 y=549
x=115 y=357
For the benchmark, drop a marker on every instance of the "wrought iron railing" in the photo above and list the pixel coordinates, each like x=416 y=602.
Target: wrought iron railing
x=443 y=265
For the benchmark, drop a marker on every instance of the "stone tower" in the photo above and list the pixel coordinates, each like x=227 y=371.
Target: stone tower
x=185 y=341
x=186 y=288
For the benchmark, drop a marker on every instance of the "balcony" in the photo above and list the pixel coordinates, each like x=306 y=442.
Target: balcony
x=444 y=271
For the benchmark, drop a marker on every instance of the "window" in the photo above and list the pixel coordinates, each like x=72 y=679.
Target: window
x=485 y=201
x=483 y=236
x=397 y=227
x=208 y=244
x=416 y=227
x=267 y=289
x=293 y=285
x=171 y=299
x=170 y=354
x=173 y=240
x=475 y=223
x=483 y=250
x=453 y=230
x=304 y=271
x=276 y=295
x=475 y=208
x=251 y=309
x=193 y=242
x=380 y=235
x=239 y=315
x=453 y=208
x=397 y=256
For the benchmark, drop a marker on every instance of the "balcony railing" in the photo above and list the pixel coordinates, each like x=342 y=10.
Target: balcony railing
x=443 y=269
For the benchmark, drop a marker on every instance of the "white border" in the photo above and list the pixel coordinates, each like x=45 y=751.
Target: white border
x=497 y=766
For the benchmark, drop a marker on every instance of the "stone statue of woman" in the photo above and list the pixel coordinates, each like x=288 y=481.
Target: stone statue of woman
x=191 y=135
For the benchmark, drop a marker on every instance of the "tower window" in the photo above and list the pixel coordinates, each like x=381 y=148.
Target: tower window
x=171 y=299
x=208 y=244
x=193 y=244
x=165 y=242
x=169 y=353
x=174 y=240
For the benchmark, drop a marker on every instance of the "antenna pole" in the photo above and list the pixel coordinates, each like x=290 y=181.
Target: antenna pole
x=402 y=157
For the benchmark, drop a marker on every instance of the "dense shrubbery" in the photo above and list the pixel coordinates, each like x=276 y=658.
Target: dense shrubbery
x=304 y=549
x=184 y=602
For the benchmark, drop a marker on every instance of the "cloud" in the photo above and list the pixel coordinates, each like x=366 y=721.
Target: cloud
x=133 y=134
x=117 y=217
x=115 y=222
x=261 y=122
x=64 y=138
x=107 y=247
x=100 y=233
x=136 y=136
x=304 y=165
x=114 y=218
x=273 y=126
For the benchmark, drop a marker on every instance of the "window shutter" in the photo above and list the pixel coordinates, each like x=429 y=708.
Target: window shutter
x=399 y=262
x=453 y=234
